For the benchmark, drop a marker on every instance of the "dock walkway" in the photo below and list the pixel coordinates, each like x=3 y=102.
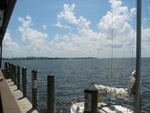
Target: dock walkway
x=23 y=103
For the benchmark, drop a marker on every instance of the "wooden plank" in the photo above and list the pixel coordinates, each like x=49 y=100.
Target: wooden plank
x=9 y=104
x=23 y=103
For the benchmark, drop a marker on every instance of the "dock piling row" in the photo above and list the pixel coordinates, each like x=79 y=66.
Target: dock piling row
x=13 y=72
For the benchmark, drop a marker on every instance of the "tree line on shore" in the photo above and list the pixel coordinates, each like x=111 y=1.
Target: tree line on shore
x=45 y=58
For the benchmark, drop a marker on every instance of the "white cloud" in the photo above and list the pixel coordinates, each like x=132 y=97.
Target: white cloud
x=83 y=23
x=10 y=47
x=44 y=26
x=115 y=20
x=133 y=11
x=34 y=41
x=58 y=24
x=115 y=24
x=115 y=27
x=68 y=15
x=27 y=22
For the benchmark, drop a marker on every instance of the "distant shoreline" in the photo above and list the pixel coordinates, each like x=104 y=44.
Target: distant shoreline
x=59 y=58
x=46 y=58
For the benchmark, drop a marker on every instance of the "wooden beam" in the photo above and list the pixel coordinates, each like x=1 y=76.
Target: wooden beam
x=7 y=14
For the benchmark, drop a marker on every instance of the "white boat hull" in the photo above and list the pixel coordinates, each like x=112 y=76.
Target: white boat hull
x=102 y=108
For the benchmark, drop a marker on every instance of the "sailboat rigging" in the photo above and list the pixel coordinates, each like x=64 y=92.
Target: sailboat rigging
x=125 y=93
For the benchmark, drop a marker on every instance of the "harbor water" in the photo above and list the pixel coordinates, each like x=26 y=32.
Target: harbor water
x=72 y=76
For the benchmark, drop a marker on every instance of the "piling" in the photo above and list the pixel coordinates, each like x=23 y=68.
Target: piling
x=34 y=89
x=10 y=70
x=15 y=77
x=5 y=65
x=24 y=82
x=90 y=104
x=50 y=94
x=6 y=70
x=18 y=77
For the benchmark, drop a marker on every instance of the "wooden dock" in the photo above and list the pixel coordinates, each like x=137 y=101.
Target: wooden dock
x=23 y=103
x=12 y=100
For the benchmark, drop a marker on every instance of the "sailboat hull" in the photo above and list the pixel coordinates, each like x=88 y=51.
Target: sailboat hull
x=101 y=108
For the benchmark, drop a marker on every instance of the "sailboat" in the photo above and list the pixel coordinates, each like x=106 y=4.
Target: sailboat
x=133 y=89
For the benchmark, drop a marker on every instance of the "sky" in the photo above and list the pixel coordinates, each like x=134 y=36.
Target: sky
x=76 y=28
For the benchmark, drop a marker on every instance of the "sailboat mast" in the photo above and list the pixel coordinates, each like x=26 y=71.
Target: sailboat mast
x=138 y=58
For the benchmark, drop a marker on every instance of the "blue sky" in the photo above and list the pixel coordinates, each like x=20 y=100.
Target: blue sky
x=75 y=28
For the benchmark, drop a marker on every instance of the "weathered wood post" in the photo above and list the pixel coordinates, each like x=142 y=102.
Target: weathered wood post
x=18 y=77
x=34 y=89
x=12 y=69
x=4 y=71
x=24 y=82
x=15 y=77
x=8 y=70
x=5 y=67
x=90 y=104
x=50 y=94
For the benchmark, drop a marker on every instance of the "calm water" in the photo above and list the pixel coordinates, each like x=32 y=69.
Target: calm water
x=72 y=76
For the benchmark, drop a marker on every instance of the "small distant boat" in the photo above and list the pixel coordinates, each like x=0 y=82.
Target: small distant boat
x=133 y=88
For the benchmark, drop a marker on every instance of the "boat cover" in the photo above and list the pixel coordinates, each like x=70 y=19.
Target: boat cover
x=123 y=93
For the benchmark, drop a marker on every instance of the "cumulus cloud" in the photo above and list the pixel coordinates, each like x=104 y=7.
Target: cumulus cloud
x=115 y=27
x=10 y=47
x=113 y=30
x=34 y=41
x=58 y=24
x=27 y=22
x=116 y=19
x=68 y=13
x=69 y=16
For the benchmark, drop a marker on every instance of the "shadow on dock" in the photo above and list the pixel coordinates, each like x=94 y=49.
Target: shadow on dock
x=12 y=100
